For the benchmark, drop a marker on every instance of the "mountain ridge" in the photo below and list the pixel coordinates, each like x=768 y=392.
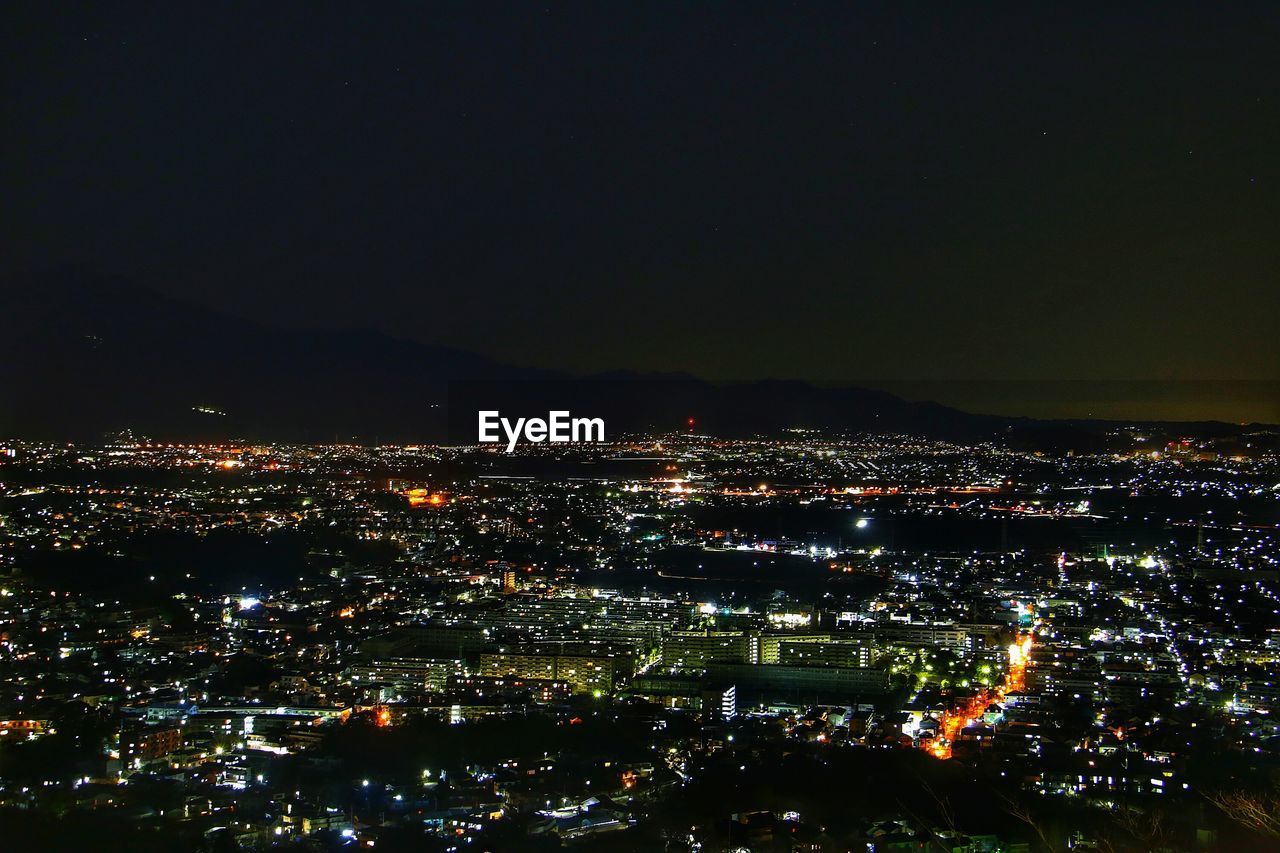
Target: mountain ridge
x=81 y=357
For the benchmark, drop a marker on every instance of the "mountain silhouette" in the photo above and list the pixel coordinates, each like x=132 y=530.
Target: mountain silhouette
x=89 y=357
x=82 y=358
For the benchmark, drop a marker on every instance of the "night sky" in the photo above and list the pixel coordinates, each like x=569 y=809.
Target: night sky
x=830 y=192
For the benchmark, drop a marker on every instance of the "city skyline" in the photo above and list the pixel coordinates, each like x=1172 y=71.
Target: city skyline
x=715 y=427
x=673 y=641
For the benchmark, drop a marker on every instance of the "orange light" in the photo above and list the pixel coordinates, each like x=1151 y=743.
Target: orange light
x=423 y=497
x=972 y=709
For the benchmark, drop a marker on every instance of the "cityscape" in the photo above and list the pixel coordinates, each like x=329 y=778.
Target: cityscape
x=839 y=426
x=661 y=642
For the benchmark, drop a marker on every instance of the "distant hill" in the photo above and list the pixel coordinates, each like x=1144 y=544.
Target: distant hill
x=83 y=358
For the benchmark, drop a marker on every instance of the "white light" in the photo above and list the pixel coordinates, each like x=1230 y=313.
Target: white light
x=861 y=523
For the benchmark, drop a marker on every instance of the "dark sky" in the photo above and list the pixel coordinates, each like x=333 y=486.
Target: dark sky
x=832 y=192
